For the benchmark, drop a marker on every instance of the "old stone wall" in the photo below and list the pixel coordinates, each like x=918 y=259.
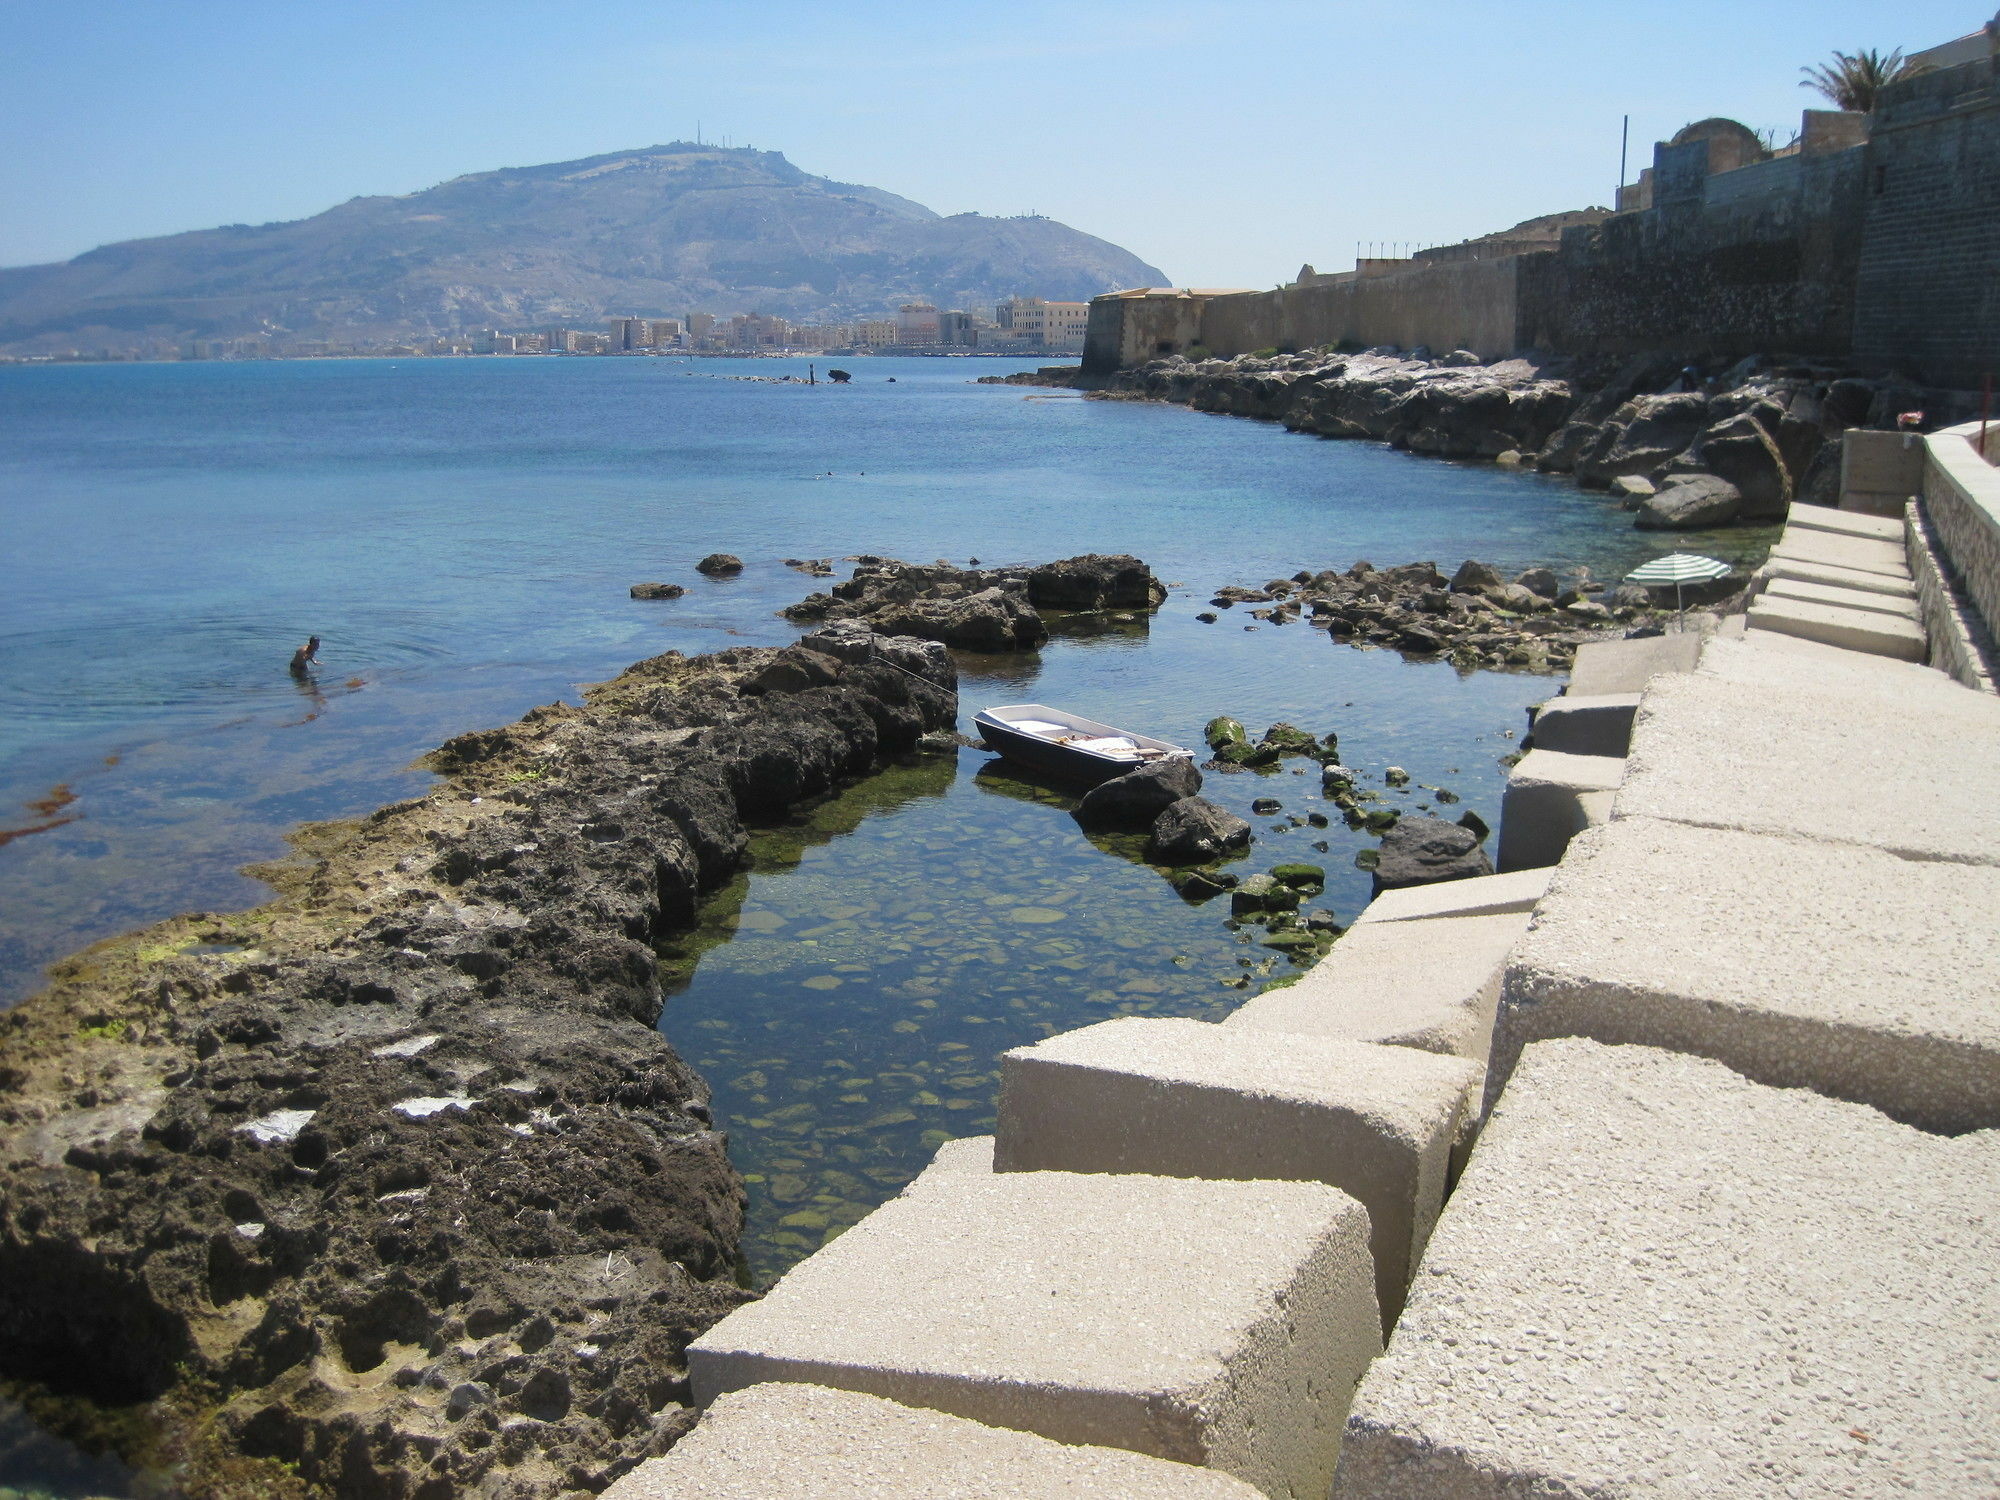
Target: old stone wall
x=1466 y=304
x=1928 y=294
x=1757 y=260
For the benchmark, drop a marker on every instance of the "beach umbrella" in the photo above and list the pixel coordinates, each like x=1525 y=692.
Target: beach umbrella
x=1679 y=568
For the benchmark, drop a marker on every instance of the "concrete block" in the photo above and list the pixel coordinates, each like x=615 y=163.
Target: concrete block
x=1181 y=1098
x=807 y=1442
x=1429 y=984
x=1215 y=1323
x=968 y=1155
x=1626 y=666
x=1845 y=522
x=1599 y=724
x=1863 y=554
x=1879 y=471
x=1799 y=963
x=1906 y=761
x=1843 y=598
x=1659 y=1279
x=1550 y=798
x=1846 y=578
x=1849 y=629
x=1481 y=896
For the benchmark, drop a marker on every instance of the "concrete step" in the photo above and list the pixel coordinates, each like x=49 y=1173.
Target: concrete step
x=1659 y=1279
x=1481 y=896
x=1798 y=962
x=1845 y=522
x=809 y=1442
x=1899 y=586
x=1863 y=554
x=1844 y=598
x=1850 y=629
x=1180 y=1098
x=1625 y=666
x=1215 y=1323
x=1431 y=984
x=1903 y=760
x=1550 y=798
x=1580 y=724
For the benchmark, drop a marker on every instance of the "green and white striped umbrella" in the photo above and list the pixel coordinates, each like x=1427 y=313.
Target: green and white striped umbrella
x=1679 y=568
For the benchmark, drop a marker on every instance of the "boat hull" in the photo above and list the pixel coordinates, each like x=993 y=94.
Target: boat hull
x=1064 y=762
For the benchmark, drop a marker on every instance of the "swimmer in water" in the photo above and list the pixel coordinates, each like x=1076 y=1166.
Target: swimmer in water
x=305 y=656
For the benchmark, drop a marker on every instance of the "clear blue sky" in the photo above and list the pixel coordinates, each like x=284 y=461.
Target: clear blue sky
x=1223 y=140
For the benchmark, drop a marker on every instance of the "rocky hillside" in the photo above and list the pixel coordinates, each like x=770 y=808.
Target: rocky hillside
x=659 y=231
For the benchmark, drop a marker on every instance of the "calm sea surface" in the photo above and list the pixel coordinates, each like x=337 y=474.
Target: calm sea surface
x=461 y=535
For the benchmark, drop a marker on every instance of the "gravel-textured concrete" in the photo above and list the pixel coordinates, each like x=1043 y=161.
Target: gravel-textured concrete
x=1863 y=554
x=1900 y=586
x=1911 y=765
x=968 y=1154
x=808 y=1442
x=1832 y=625
x=1214 y=1323
x=1790 y=664
x=1182 y=1098
x=1578 y=725
x=1551 y=798
x=1429 y=984
x=1659 y=1279
x=1844 y=598
x=1604 y=667
x=1481 y=896
x=1844 y=522
x=1798 y=962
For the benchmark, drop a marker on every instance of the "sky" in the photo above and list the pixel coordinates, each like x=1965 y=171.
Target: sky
x=1225 y=143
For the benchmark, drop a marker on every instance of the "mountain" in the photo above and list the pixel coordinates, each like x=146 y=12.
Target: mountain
x=662 y=231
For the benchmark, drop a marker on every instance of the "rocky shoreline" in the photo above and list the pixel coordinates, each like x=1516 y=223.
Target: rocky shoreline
x=391 y=1186
x=1685 y=447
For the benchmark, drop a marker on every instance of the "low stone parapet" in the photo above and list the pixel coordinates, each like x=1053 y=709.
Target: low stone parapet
x=1215 y=1323
x=1659 y=1278
x=810 y=1442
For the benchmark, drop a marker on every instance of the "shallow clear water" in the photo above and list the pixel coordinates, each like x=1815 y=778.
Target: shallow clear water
x=462 y=534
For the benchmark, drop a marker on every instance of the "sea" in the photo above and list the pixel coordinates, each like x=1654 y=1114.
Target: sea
x=462 y=535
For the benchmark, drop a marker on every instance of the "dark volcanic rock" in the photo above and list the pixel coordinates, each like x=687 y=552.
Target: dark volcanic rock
x=991 y=620
x=719 y=565
x=403 y=1188
x=657 y=591
x=1194 y=831
x=1420 y=851
x=1095 y=582
x=1138 y=797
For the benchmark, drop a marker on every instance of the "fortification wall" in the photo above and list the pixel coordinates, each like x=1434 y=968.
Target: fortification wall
x=1928 y=295
x=1468 y=304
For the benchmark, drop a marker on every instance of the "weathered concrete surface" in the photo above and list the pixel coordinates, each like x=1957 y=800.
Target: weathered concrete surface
x=1605 y=667
x=1481 y=896
x=1214 y=1323
x=1798 y=962
x=1845 y=523
x=1659 y=1279
x=1181 y=1098
x=1851 y=578
x=1551 y=798
x=1787 y=663
x=1574 y=724
x=1863 y=554
x=1910 y=764
x=968 y=1154
x=807 y=1442
x=1850 y=629
x=1429 y=984
x=1843 y=598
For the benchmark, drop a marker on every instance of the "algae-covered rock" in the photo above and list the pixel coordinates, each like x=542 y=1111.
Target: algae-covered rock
x=1301 y=875
x=1223 y=731
x=1260 y=893
x=1195 y=831
x=1289 y=739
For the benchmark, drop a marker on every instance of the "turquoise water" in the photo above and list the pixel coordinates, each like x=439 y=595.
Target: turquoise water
x=461 y=534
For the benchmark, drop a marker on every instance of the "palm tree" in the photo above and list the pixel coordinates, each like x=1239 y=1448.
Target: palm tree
x=1853 y=79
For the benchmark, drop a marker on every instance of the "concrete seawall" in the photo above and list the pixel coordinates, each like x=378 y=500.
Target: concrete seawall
x=1668 y=1159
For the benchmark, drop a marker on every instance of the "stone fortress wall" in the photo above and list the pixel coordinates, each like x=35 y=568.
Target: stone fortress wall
x=1873 y=238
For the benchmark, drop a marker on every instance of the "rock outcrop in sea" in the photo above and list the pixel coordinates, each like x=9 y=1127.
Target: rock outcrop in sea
x=980 y=609
x=392 y=1187
x=1769 y=428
